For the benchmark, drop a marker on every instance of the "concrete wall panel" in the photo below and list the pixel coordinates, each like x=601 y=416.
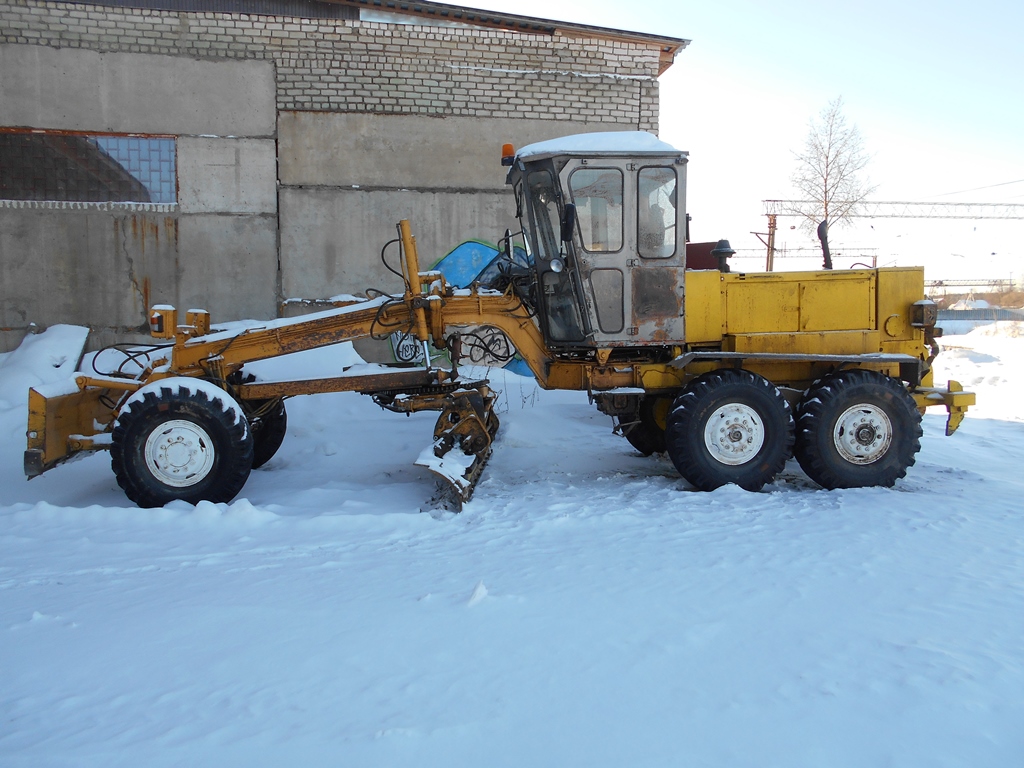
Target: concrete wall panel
x=79 y=90
x=227 y=175
x=87 y=267
x=331 y=239
x=105 y=269
x=228 y=266
x=339 y=149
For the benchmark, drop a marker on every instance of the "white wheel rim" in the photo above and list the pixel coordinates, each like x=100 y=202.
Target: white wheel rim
x=179 y=453
x=863 y=434
x=734 y=434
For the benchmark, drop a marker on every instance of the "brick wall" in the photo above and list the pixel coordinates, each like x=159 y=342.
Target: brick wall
x=352 y=66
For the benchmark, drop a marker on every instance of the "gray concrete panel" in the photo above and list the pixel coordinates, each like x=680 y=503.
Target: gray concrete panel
x=331 y=239
x=435 y=153
x=227 y=175
x=105 y=269
x=84 y=267
x=80 y=90
x=228 y=265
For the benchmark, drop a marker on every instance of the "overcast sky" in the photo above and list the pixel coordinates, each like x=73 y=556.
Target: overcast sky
x=936 y=89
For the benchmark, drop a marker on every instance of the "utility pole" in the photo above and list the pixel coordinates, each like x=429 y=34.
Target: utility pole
x=773 y=224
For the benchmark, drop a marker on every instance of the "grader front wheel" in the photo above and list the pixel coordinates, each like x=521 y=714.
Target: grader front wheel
x=181 y=439
x=269 y=422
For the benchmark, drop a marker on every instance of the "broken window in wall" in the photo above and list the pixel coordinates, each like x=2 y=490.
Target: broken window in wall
x=96 y=168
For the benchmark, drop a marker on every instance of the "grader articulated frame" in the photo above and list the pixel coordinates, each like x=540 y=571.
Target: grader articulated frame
x=65 y=420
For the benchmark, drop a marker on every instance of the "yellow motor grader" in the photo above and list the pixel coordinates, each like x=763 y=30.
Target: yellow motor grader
x=730 y=374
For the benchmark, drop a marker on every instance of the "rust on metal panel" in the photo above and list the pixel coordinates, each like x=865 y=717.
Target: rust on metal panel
x=655 y=294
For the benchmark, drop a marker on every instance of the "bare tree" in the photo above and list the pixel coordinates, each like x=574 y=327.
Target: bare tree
x=828 y=173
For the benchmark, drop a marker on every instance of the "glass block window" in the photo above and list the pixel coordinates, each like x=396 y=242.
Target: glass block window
x=87 y=168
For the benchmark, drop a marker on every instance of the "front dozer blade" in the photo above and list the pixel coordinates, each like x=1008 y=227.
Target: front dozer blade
x=462 y=443
x=65 y=419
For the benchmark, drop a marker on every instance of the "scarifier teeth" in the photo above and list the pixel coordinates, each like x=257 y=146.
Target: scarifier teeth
x=463 y=435
x=443 y=444
x=459 y=471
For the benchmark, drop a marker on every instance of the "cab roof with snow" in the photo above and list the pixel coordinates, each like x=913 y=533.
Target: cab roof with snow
x=606 y=144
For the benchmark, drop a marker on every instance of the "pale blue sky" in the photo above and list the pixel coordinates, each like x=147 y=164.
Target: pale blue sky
x=936 y=89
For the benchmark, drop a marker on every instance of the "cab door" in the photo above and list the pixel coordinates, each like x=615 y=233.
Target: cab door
x=628 y=247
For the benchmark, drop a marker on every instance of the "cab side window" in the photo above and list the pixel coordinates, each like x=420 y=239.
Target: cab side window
x=656 y=212
x=597 y=194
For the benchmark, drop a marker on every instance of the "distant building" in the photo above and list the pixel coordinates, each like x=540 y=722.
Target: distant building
x=239 y=154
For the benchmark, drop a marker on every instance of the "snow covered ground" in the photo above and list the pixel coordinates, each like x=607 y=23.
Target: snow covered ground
x=585 y=609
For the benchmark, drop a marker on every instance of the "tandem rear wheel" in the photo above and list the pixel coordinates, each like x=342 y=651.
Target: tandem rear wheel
x=729 y=426
x=857 y=429
x=853 y=429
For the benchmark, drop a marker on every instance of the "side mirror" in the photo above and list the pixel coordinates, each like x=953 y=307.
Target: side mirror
x=508 y=244
x=568 y=222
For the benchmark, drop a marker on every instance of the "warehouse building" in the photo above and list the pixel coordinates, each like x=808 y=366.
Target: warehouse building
x=252 y=157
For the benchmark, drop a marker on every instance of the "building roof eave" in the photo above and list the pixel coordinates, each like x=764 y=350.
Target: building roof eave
x=668 y=46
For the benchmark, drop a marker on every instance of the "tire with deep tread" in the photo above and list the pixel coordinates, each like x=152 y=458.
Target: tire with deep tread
x=891 y=426
x=226 y=458
x=754 y=416
x=268 y=433
x=647 y=433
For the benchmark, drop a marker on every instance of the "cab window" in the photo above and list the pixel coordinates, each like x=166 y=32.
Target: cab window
x=656 y=212
x=543 y=212
x=597 y=194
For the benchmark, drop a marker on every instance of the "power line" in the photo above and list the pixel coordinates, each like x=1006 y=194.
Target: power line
x=895 y=209
x=978 y=189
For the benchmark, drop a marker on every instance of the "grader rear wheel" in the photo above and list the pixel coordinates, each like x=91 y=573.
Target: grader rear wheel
x=857 y=429
x=181 y=439
x=729 y=426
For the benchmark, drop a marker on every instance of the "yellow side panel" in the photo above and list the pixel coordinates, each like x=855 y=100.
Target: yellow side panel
x=821 y=343
x=898 y=289
x=703 y=306
x=796 y=302
x=837 y=305
x=762 y=307
x=802 y=302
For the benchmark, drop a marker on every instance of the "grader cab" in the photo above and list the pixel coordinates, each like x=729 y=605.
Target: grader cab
x=730 y=374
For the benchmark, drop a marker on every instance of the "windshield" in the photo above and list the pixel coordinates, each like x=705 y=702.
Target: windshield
x=544 y=219
x=558 y=281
